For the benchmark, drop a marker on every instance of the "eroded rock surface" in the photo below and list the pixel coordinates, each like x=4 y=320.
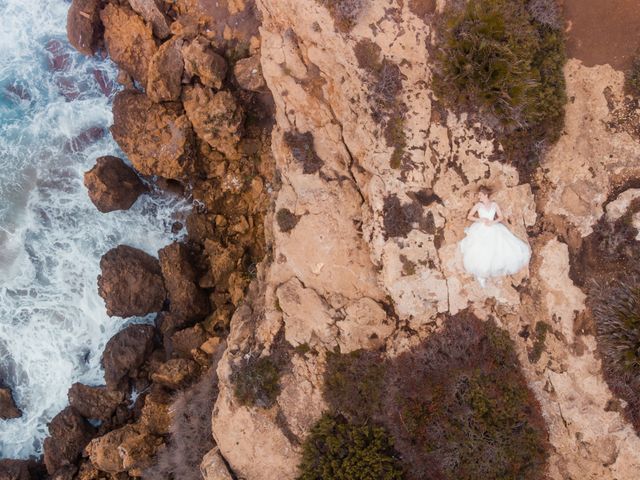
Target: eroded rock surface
x=68 y=435
x=8 y=408
x=84 y=26
x=125 y=352
x=113 y=185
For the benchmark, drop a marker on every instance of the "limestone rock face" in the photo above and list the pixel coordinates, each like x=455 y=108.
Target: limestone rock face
x=113 y=185
x=131 y=282
x=129 y=40
x=213 y=466
x=84 y=26
x=164 y=81
x=68 y=435
x=216 y=117
x=140 y=125
x=372 y=259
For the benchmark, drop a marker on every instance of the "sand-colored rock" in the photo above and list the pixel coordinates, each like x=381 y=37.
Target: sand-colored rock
x=129 y=40
x=200 y=60
x=213 y=466
x=248 y=73
x=152 y=12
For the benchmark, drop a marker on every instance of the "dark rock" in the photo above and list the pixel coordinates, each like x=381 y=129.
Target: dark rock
x=112 y=184
x=14 y=470
x=152 y=11
x=164 y=81
x=69 y=433
x=97 y=403
x=182 y=342
x=125 y=352
x=129 y=40
x=176 y=373
x=248 y=73
x=140 y=125
x=131 y=282
x=8 y=407
x=84 y=27
x=180 y=279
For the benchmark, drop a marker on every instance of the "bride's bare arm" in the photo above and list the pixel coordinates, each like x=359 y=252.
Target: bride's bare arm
x=499 y=217
x=471 y=217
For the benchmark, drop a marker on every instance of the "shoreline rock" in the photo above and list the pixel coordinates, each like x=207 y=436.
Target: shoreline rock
x=113 y=185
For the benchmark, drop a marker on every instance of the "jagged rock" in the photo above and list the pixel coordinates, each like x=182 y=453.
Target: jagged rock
x=200 y=60
x=84 y=26
x=217 y=118
x=69 y=433
x=184 y=341
x=223 y=261
x=129 y=40
x=152 y=11
x=213 y=466
x=140 y=125
x=131 y=282
x=125 y=352
x=165 y=72
x=14 y=470
x=185 y=296
x=248 y=73
x=94 y=402
x=176 y=373
x=112 y=184
x=156 y=412
x=124 y=449
x=8 y=408
x=168 y=323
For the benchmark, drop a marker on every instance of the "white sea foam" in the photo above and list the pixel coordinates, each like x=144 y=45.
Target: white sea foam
x=53 y=325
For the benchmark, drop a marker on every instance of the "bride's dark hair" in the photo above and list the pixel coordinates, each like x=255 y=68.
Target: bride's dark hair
x=484 y=189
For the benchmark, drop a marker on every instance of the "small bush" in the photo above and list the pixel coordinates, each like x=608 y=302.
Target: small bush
x=257 y=381
x=301 y=146
x=345 y=13
x=339 y=450
x=504 y=59
x=616 y=310
x=190 y=434
x=286 y=219
x=539 y=338
x=633 y=77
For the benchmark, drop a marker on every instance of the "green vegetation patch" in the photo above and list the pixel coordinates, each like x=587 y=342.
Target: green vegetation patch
x=504 y=59
x=286 y=219
x=256 y=381
x=339 y=450
x=616 y=311
x=457 y=406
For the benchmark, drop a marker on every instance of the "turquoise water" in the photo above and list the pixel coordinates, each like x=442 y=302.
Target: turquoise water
x=53 y=325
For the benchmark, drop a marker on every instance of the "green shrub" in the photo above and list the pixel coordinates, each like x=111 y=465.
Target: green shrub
x=616 y=310
x=339 y=450
x=457 y=406
x=287 y=220
x=256 y=381
x=504 y=59
x=633 y=77
x=345 y=13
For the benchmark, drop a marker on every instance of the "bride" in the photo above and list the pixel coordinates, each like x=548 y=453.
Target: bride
x=489 y=249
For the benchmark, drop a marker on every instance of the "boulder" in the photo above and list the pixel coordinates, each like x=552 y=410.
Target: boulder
x=141 y=125
x=156 y=412
x=69 y=433
x=14 y=470
x=8 y=408
x=200 y=60
x=97 y=403
x=84 y=27
x=129 y=40
x=112 y=184
x=126 y=351
x=180 y=279
x=248 y=74
x=213 y=466
x=217 y=118
x=169 y=322
x=164 y=81
x=184 y=341
x=123 y=449
x=152 y=11
x=176 y=373
x=131 y=282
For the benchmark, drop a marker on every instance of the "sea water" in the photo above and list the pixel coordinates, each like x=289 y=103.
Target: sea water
x=54 y=116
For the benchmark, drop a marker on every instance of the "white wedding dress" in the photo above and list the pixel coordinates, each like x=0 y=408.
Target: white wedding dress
x=492 y=250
